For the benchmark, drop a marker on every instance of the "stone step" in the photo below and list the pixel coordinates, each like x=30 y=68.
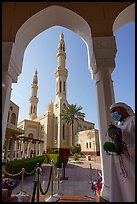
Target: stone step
x=76 y=198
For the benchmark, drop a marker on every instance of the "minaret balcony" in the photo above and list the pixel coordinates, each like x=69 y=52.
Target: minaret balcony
x=61 y=72
x=33 y=99
x=61 y=53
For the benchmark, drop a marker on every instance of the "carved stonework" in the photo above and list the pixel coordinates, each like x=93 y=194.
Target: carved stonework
x=104 y=42
x=107 y=63
x=63 y=72
x=104 y=49
x=13 y=70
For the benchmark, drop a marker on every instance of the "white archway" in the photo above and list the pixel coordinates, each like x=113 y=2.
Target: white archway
x=51 y=16
x=126 y=16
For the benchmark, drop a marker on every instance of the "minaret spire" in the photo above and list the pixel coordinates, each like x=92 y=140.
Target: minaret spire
x=33 y=99
x=61 y=45
x=61 y=72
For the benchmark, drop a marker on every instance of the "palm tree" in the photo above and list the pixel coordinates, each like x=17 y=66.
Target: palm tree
x=71 y=113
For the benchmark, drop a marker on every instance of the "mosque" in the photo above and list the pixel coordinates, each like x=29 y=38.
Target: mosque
x=40 y=133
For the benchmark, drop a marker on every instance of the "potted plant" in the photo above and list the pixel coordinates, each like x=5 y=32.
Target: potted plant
x=9 y=184
x=96 y=187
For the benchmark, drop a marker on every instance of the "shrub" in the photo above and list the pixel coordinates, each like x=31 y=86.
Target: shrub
x=52 y=157
x=46 y=160
x=15 y=166
x=62 y=159
x=76 y=156
x=58 y=160
x=75 y=150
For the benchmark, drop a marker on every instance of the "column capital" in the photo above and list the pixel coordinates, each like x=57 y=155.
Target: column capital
x=6 y=79
x=13 y=70
x=104 y=49
x=8 y=63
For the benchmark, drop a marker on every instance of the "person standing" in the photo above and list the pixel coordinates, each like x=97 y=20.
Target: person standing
x=122 y=189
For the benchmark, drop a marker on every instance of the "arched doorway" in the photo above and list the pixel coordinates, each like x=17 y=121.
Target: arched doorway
x=51 y=16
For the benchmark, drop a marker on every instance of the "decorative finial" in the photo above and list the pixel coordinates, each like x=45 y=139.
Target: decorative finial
x=36 y=72
x=61 y=36
x=35 y=78
x=61 y=45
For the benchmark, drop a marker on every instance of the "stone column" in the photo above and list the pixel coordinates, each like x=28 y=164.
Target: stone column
x=6 y=149
x=10 y=73
x=59 y=139
x=28 y=149
x=39 y=148
x=19 y=151
x=23 y=149
x=103 y=64
x=26 y=145
x=12 y=149
x=6 y=94
x=16 y=148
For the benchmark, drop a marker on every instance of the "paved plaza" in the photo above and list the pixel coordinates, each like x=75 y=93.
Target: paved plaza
x=78 y=183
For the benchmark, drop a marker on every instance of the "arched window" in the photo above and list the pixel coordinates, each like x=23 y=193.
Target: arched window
x=90 y=145
x=86 y=144
x=31 y=110
x=13 y=118
x=56 y=133
x=8 y=117
x=57 y=87
x=11 y=108
x=63 y=132
x=30 y=135
x=60 y=86
x=64 y=105
x=64 y=86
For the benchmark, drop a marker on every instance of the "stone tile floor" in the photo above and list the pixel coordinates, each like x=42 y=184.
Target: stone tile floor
x=77 y=186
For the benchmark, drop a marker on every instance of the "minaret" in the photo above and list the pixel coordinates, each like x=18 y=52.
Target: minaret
x=33 y=99
x=61 y=74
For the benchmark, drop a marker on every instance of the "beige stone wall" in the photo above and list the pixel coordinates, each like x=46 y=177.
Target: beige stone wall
x=43 y=135
x=89 y=141
x=33 y=129
x=83 y=125
x=13 y=114
x=50 y=130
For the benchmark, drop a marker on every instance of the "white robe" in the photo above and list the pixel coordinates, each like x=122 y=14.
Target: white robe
x=123 y=189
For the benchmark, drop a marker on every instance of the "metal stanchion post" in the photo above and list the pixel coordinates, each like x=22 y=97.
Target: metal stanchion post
x=52 y=198
x=90 y=174
x=38 y=171
x=22 y=192
x=58 y=183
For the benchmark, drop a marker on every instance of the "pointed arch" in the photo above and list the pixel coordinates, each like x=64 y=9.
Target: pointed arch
x=46 y=18
x=126 y=16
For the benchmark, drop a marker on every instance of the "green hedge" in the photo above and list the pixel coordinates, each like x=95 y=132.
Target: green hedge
x=15 y=166
x=53 y=157
x=61 y=159
x=57 y=159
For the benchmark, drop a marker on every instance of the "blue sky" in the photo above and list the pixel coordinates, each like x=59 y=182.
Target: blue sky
x=40 y=54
